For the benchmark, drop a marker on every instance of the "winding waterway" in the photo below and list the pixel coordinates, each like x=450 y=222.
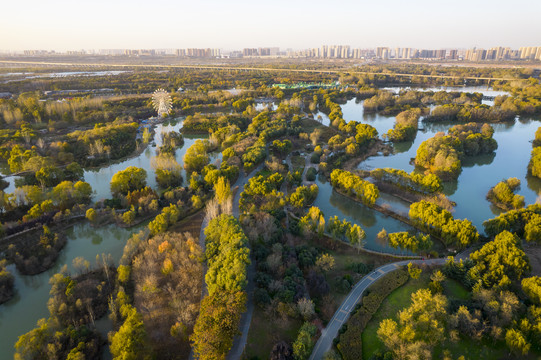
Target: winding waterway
x=334 y=204
x=20 y=314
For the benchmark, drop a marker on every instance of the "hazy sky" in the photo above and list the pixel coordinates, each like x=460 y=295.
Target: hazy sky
x=234 y=24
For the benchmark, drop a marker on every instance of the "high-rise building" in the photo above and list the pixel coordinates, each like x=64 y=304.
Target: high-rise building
x=380 y=51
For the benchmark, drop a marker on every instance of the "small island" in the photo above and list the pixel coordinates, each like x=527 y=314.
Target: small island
x=502 y=195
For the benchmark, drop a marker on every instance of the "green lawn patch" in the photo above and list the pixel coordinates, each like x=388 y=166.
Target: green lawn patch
x=298 y=162
x=265 y=332
x=401 y=298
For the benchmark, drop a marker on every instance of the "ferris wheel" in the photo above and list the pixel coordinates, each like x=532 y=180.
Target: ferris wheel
x=161 y=100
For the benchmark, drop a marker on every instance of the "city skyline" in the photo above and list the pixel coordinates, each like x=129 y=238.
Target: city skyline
x=324 y=52
x=60 y=25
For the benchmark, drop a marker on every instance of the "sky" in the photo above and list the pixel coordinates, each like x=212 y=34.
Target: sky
x=298 y=24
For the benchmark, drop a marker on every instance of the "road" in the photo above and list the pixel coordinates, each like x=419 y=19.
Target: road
x=343 y=313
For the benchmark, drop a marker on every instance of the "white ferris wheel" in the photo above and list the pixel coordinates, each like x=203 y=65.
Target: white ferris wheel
x=161 y=100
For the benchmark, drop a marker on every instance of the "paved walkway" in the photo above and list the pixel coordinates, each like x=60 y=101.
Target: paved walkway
x=239 y=342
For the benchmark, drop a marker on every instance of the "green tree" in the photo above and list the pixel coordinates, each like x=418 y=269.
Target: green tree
x=302 y=347
x=499 y=262
x=532 y=288
x=168 y=170
x=130 y=341
x=222 y=190
x=217 y=324
x=414 y=271
x=517 y=342
x=130 y=179
x=196 y=157
x=91 y=215
x=325 y=262
x=313 y=222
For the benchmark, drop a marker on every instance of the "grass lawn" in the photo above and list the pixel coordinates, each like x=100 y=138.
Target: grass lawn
x=191 y=224
x=298 y=162
x=309 y=125
x=265 y=332
x=401 y=298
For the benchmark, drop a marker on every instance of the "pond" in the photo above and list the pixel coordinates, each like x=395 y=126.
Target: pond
x=353 y=110
x=100 y=178
x=486 y=91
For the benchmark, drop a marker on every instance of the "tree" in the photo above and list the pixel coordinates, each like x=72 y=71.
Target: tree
x=196 y=157
x=356 y=235
x=405 y=240
x=535 y=162
x=166 y=218
x=517 y=342
x=313 y=222
x=532 y=229
x=227 y=255
x=325 y=262
x=532 y=288
x=222 y=190
x=217 y=324
x=499 y=262
x=91 y=215
x=49 y=176
x=353 y=185
x=130 y=341
x=414 y=271
x=281 y=351
x=146 y=136
x=168 y=170
x=420 y=326
x=306 y=308
x=302 y=347
x=130 y=179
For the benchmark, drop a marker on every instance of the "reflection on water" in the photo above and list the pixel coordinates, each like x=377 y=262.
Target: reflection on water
x=485 y=90
x=479 y=160
x=402 y=147
x=20 y=314
x=335 y=204
x=100 y=179
x=479 y=173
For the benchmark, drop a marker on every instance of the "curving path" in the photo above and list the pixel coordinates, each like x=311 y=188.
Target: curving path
x=343 y=313
x=240 y=341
